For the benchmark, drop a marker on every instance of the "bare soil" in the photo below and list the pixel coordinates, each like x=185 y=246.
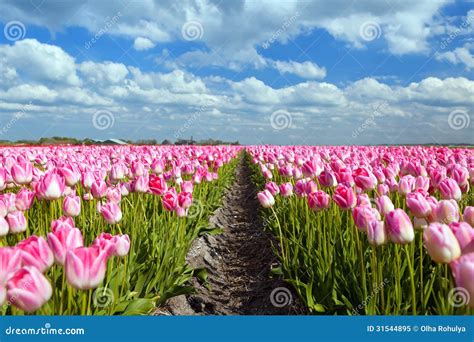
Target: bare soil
x=238 y=262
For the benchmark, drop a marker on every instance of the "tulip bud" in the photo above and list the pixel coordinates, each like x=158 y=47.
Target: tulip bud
x=468 y=215
x=418 y=204
x=85 y=267
x=384 y=204
x=318 y=200
x=16 y=222
x=62 y=240
x=441 y=243
x=28 y=289
x=464 y=233
x=344 y=197
x=35 y=252
x=363 y=215
x=286 y=190
x=272 y=187
x=72 y=205
x=376 y=234
x=449 y=189
x=10 y=262
x=399 y=227
x=110 y=212
x=266 y=199
x=447 y=211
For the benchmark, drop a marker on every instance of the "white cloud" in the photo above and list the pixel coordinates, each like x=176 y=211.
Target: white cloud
x=141 y=44
x=100 y=73
x=307 y=70
x=461 y=55
x=404 y=24
x=40 y=62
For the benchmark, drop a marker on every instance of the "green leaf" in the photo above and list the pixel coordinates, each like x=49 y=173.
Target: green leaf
x=140 y=306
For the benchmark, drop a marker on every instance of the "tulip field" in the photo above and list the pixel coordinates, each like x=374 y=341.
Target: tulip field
x=372 y=230
x=105 y=230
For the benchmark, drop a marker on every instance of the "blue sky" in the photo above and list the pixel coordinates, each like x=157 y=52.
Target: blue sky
x=282 y=72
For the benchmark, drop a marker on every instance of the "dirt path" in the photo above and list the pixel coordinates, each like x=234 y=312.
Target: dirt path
x=238 y=261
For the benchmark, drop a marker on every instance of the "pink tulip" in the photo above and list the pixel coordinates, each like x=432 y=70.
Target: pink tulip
x=318 y=200
x=28 y=289
x=157 y=185
x=24 y=199
x=114 y=195
x=62 y=222
x=111 y=212
x=286 y=190
x=72 y=205
x=441 y=243
x=35 y=252
x=363 y=200
x=405 y=186
x=449 y=189
x=382 y=189
x=327 y=179
x=122 y=245
x=87 y=179
x=117 y=173
x=272 y=187
x=71 y=175
x=185 y=199
x=140 y=184
x=364 y=215
x=51 y=186
x=4 y=228
x=22 y=173
x=376 y=234
x=468 y=215
x=170 y=200
x=464 y=233
x=364 y=179
x=344 y=197
x=266 y=199
x=98 y=189
x=3 y=178
x=187 y=186
x=447 y=211
x=312 y=168
x=62 y=240
x=10 y=262
x=85 y=267
x=422 y=183
x=418 y=204
x=17 y=222
x=399 y=227
x=384 y=204
x=460 y=175
x=463 y=272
